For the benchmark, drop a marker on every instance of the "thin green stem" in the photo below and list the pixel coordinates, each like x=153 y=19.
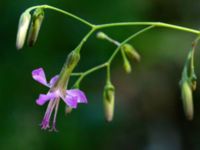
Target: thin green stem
x=63 y=12
x=78 y=48
x=89 y=72
x=109 y=39
x=108 y=77
x=76 y=74
x=102 y=26
x=156 y=24
x=109 y=61
x=127 y=40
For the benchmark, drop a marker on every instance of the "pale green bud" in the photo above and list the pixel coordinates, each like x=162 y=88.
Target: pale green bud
x=131 y=52
x=109 y=102
x=71 y=62
x=187 y=100
x=127 y=66
x=73 y=59
x=38 y=17
x=101 y=35
x=22 y=29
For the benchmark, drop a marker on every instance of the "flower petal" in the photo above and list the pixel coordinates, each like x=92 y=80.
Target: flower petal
x=53 y=80
x=80 y=95
x=39 y=75
x=43 y=98
x=71 y=101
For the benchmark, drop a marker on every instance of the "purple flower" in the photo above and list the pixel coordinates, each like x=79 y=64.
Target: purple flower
x=70 y=97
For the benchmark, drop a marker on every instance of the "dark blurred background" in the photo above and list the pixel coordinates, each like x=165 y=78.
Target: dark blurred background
x=149 y=114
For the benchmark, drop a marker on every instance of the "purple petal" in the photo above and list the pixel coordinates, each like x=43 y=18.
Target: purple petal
x=39 y=75
x=71 y=101
x=80 y=95
x=43 y=98
x=53 y=80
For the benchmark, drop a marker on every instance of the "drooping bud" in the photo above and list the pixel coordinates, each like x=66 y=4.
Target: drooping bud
x=109 y=101
x=131 y=52
x=187 y=99
x=127 y=66
x=101 y=35
x=36 y=23
x=22 y=29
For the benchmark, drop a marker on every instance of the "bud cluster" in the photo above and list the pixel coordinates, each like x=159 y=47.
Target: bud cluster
x=23 y=27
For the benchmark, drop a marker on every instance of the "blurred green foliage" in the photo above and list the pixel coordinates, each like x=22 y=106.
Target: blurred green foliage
x=148 y=113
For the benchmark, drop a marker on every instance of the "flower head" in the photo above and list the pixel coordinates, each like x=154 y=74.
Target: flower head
x=70 y=97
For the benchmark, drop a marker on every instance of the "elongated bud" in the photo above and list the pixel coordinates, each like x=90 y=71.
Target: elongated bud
x=71 y=62
x=109 y=101
x=36 y=23
x=22 y=29
x=73 y=59
x=127 y=66
x=101 y=35
x=187 y=100
x=131 y=52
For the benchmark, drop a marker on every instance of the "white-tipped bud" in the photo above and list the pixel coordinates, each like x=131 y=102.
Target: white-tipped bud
x=22 y=29
x=131 y=52
x=109 y=102
x=187 y=100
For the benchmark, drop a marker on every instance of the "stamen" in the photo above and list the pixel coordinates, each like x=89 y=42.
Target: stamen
x=55 y=115
x=46 y=119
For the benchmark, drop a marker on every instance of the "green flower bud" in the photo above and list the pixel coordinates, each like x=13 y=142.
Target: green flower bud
x=73 y=59
x=22 y=29
x=38 y=17
x=71 y=62
x=109 y=102
x=101 y=35
x=127 y=66
x=131 y=52
x=187 y=100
